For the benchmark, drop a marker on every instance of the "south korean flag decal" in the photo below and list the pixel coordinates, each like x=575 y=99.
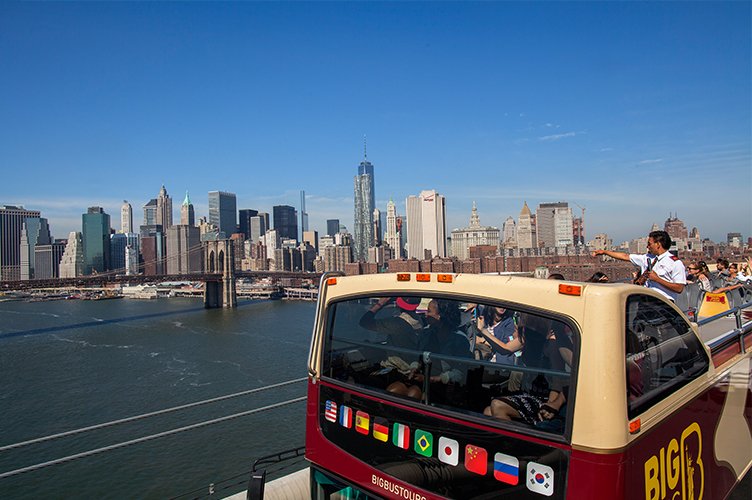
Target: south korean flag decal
x=540 y=479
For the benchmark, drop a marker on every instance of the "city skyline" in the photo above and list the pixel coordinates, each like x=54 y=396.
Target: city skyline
x=619 y=108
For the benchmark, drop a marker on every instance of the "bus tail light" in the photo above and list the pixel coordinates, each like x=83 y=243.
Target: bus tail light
x=423 y=277
x=635 y=426
x=574 y=290
x=331 y=281
x=444 y=278
x=403 y=276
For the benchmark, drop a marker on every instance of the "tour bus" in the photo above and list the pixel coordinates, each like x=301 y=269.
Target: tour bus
x=602 y=391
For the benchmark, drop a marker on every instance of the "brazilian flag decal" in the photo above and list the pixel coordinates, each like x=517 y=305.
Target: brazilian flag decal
x=423 y=443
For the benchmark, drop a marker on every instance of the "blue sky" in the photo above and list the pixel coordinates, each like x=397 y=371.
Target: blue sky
x=632 y=110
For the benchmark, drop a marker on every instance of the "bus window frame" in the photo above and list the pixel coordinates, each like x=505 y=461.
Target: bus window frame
x=564 y=438
x=666 y=390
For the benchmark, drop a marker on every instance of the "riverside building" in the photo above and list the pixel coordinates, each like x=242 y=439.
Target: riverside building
x=12 y=219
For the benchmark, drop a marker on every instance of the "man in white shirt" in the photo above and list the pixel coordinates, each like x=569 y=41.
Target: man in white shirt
x=664 y=272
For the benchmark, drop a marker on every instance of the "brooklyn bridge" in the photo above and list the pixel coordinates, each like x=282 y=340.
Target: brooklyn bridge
x=218 y=274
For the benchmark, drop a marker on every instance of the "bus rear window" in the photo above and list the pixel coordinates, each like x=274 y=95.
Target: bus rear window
x=484 y=359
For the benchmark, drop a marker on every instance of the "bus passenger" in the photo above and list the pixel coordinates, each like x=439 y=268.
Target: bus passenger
x=598 y=277
x=402 y=329
x=442 y=336
x=540 y=399
x=700 y=274
x=497 y=328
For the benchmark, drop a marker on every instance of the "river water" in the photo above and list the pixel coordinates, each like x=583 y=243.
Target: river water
x=70 y=364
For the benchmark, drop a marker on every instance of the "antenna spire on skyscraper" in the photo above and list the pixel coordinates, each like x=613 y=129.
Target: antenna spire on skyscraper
x=365 y=151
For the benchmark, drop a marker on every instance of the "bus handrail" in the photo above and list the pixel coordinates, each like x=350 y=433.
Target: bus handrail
x=428 y=355
x=736 y=334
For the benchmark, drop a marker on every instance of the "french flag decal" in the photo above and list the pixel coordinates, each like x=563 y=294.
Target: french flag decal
x=506 y=468
x=345 y=417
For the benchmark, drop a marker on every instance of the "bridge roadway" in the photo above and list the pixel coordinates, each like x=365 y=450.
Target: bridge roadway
x=105 y=279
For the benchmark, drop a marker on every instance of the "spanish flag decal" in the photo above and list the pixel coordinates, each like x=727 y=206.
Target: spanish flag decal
x=362 y=422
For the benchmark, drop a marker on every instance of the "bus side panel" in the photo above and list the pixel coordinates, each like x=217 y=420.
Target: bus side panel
x=593 y=475
x=400 y=452
x=699 y=451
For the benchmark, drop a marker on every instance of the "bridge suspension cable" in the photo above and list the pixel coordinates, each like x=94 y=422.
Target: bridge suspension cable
x=146 y=415
x=147 y=438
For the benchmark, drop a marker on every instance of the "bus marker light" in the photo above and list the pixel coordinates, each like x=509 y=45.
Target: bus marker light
x=635 y=426
x=423 y=277
x=331 y=281
x=403 y=277
x=574 y=290
x=444 y=278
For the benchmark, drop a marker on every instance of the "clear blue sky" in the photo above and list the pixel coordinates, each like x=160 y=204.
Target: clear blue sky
x=632 y=110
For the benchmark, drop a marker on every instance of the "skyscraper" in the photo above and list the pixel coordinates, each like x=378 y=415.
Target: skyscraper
x=150 y=213
x=72 y=263
x=187 y=215
x=12 y=219
x=244 y=221
x=285 y=222
x=96 y=240
x=119 y=244
x=183 y=249
x=164 y=209
x=365 y=202
x=223 y=211
x=258 y=226
x=47 y=260
x=393 y=233
x=509 y=233
x=35 y=232
x=303 y=215
x=426 y=225
x=377 y=228
x=675 y=228
x=332 y=227
x=126 y=218
x=547 y=225
x=526 y=237
x=563 y=227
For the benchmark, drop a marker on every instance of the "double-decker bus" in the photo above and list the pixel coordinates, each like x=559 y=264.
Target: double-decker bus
x=426 y=386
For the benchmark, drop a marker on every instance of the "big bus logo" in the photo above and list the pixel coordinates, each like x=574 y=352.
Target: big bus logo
x=677 y=471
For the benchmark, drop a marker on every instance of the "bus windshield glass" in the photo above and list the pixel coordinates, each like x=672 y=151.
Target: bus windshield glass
x=486 y=360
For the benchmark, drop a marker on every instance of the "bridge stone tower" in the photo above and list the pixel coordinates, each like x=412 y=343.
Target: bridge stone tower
x=219 y=257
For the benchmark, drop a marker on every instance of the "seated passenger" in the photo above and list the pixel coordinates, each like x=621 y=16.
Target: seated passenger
x=496 y=328
x=402 y=329
x=442 y=336
x=699 y=273
x=541 y=397
x=598 y=277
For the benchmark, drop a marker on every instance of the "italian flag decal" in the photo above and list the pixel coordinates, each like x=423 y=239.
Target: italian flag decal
x=401 y=436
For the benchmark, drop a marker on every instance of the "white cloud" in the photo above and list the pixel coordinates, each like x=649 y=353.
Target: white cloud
x=556 y=137
x=649 y=162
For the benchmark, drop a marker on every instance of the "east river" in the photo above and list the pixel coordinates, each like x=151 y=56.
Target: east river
x=71 y=364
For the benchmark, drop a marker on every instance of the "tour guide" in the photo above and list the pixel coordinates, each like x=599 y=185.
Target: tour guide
x=659 y=269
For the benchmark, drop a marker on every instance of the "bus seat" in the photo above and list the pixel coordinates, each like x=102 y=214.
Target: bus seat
x=682 y=300
x=713 y=303
x=693 y=295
